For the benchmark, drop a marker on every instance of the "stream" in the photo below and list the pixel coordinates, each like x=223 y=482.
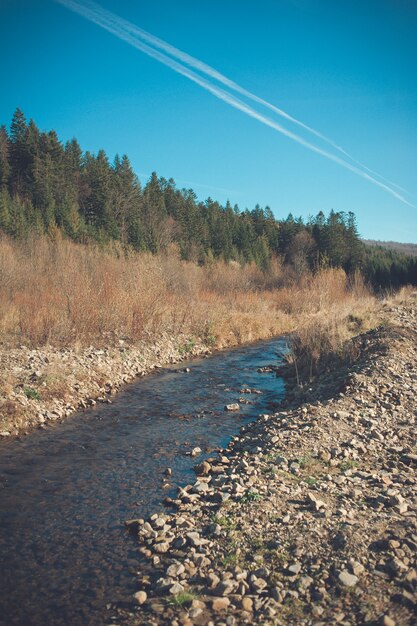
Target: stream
x=66 y=491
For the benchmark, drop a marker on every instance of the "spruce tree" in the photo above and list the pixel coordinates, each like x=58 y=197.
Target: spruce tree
x=19 y=155
x=4 y=158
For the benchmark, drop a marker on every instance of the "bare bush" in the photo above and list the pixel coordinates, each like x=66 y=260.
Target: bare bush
x=61 y=293
x=340 y=307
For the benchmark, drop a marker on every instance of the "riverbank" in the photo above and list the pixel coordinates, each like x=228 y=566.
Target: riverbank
x=309 y=515
x=44 y=384
x=77 y=322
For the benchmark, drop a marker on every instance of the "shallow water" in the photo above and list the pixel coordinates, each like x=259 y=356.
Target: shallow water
x=66 y=491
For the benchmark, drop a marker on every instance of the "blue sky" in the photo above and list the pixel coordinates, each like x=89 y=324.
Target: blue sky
x=346 y=69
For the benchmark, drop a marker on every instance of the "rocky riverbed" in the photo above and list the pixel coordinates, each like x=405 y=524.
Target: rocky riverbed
x=310 y=515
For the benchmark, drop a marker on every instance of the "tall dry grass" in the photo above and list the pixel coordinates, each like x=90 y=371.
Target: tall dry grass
x=60 y=293
x=343 y=307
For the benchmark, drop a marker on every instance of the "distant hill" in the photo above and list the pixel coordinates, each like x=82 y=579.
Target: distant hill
x=409 y=249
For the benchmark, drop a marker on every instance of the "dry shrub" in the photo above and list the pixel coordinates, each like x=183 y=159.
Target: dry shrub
x=62 y=293
x=402 y=296
x=340 y=307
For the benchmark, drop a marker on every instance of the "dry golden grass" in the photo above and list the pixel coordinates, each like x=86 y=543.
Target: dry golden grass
x=342 y=308
x=59 y=293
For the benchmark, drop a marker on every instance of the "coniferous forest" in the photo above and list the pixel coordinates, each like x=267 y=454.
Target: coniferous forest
x=47 y=186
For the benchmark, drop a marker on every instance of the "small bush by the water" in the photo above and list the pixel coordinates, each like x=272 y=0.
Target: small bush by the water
x=326 y=331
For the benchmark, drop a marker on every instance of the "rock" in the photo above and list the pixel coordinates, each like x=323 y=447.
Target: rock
x=411 y=576
x=195 y=539
x=140 y=597
x=196 y=451
x=175 y=570
x=387 y=621
x=314 y=502
x=201 y=560
x=356 y=568
x=259 y=584
x=200 y=488
x=220 y=604
x=202 y=469
x=347 y=579
x=306 y=581
x=213 y=580
x=158 y=523
x=176 y=588
x=232 y=407
x=396 y=567
x=247 y=604
x=161 y=547
x=317 y=611
x=295 y=568
x=396 y=500
x=198 y=604
x=134 y=524
x=5 y=433
x=277 y=595
x=225 y=588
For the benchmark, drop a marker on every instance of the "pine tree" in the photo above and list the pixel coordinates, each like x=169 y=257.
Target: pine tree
x=19 y=154
x=354 y=244
x=96 y=205
x=154 y=215
x=4 y=158
x=126 y=197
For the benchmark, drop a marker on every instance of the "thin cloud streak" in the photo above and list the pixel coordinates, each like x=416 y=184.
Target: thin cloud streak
x=206 y=69
x=111 y=26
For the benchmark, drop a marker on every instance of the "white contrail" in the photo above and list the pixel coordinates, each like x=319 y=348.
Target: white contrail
x=110 y=25
x=206 y=69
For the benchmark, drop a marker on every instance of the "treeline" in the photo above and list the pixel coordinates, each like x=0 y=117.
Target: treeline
x=46 y=185
x=386 y=269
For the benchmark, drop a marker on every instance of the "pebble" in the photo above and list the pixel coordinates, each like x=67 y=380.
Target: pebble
x=140 y=597
x=347 y=579
x=161 y=547
x=176 y=588
x=220 y=604
x=247 y=604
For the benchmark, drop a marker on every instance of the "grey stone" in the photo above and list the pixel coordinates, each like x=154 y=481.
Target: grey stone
x=347 y=579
